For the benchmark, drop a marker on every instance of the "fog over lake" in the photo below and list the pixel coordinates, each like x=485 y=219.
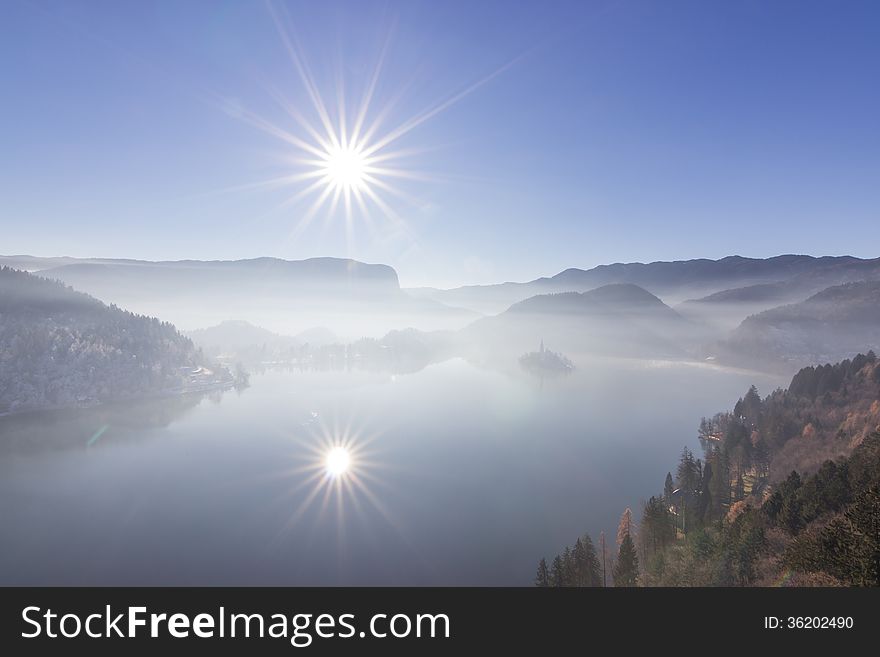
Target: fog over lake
x=464 y=475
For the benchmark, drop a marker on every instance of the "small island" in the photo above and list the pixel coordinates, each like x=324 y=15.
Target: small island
x=545 y=361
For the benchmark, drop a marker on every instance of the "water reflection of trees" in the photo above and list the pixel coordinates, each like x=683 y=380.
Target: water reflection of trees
x=399 y=352
x=89 y=428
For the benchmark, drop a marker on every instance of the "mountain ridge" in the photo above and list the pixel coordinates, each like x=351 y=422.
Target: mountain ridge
x=615 y=319
x=287 y=296
x=832 y=324
x=679 y=279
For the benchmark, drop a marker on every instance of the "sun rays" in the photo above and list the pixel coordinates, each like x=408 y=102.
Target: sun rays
x=337 y=461
x=334 y=469
x=345 y=159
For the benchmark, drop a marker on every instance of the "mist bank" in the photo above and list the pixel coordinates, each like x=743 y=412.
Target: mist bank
x=351 y=298
x=833 y=324
x=617 y=321
x=614 y=320
x=673 y=281
x=775 y=314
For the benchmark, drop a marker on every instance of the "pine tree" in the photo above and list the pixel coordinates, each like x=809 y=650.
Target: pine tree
x=542 y=578
x=719 y=485
x=568 y=568
x=687 y=473
x=594 y=567
x=761 y=458
x=624 y=527
x=856 y=540
x=790 y=515
x=626 y=570
x=740 y=491
x=657 y=529
x=586 y=562
x=704 y=495
x=748 y=408
x=557 y=573
x=579 y=555
x=668 y=488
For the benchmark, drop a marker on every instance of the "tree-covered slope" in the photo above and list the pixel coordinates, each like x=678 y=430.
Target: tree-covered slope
x=787 y=492
x=832 y=324
x=59 y=347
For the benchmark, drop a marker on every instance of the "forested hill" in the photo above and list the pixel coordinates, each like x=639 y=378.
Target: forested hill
x=787 y=492
x=59 y=347
x=832 y=324
x=617 y=319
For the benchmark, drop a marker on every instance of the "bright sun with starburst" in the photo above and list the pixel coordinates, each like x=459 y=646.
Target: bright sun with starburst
x=345 y=168
x=345 y=158
x=337 y=462
x=334 y=467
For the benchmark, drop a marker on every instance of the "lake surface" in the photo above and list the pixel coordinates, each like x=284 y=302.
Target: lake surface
x=459 y=475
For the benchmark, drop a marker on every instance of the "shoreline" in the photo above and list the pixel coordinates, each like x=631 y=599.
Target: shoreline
x=82 y=406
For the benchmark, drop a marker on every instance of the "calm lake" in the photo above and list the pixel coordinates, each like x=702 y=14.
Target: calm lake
x=458 y=475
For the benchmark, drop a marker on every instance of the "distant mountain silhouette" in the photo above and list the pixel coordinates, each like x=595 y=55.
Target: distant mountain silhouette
x=614 y=299
x=617 y=319
x=772 y=293
x=263 y=275
x=621 y=308
x=837 y=322
x=286 y=296
x=673 y=282
x=728 y=307
x=241 y=340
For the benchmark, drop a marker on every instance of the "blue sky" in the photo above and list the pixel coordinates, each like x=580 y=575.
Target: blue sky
x=616 y=131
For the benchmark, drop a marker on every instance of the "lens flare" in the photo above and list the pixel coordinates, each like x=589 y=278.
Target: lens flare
x=334 y=468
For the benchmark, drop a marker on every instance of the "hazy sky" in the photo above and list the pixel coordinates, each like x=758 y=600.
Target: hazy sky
x=613 y=131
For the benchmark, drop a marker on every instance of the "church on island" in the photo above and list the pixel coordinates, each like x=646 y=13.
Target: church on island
x=545 y=360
